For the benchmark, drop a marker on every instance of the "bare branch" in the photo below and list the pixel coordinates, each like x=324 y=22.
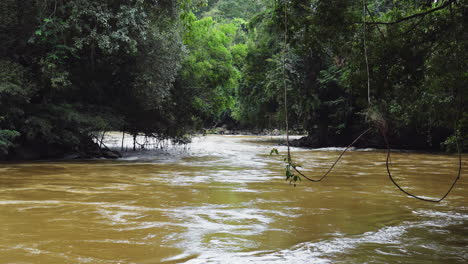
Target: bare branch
x=422 y=14
x=373 y=20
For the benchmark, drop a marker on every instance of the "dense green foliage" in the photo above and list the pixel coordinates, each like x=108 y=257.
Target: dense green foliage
x=210 y=70
x=231 y=9
x=69 y=69
x=417 y=70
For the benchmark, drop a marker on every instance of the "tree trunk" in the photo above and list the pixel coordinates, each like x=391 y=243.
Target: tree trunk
x=123 y=137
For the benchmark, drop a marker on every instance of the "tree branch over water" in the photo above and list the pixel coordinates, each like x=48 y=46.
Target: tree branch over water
x=422 y=14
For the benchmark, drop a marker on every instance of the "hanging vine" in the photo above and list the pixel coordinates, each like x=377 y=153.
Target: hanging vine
x=373 y=116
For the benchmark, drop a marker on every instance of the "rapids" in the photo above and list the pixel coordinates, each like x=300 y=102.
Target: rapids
x=223 y=199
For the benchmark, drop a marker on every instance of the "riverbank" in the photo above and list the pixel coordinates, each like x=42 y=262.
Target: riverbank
x=372 y=139
x=37 y=151
x=116 y=143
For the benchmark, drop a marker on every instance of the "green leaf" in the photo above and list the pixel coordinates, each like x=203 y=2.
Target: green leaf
x=274 y=151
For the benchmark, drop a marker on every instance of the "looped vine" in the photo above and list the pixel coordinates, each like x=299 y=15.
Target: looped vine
x=373 y=116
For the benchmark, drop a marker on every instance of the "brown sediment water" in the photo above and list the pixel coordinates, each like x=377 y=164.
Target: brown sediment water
x=223 y=199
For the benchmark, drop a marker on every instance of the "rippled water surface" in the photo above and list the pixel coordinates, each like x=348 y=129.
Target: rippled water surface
x=223 y=199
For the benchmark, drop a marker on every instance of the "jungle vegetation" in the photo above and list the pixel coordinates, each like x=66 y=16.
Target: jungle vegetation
x=168 y=68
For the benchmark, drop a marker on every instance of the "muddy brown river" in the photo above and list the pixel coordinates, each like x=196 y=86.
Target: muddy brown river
x=223 y=199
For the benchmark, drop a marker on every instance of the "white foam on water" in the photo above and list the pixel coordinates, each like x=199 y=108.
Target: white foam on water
x=442 y=215
x=116 y=241
x=309 y=252
x=325 y=251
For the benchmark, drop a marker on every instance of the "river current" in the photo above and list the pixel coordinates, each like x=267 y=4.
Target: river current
x=224 y=199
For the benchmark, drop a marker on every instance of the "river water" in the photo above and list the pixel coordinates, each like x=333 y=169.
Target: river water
x=223 y=199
